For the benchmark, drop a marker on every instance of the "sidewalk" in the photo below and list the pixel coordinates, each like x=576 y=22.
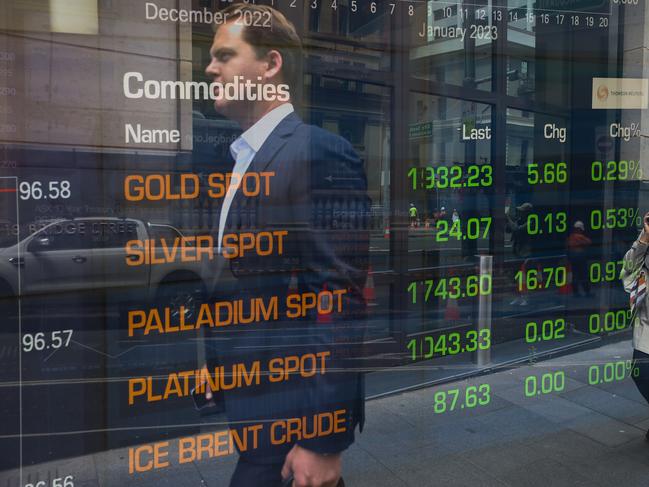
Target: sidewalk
x=582 y=436
x=585 y=435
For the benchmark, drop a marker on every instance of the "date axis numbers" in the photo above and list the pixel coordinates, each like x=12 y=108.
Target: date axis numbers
x=353 y=6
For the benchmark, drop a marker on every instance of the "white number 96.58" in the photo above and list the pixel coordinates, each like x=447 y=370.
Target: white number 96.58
x=37 y=190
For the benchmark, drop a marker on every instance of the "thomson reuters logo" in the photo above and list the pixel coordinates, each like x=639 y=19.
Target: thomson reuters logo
x=602 y=93
x=624 y=93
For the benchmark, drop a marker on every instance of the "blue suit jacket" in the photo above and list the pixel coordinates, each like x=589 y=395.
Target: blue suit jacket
x=319 y=196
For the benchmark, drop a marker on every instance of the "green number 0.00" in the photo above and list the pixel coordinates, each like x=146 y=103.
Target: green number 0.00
x=550 y=382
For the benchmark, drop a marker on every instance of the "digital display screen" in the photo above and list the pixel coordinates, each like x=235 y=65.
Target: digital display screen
x=323 y=242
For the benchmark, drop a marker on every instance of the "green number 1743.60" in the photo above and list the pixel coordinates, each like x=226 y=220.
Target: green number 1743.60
x=454 y=287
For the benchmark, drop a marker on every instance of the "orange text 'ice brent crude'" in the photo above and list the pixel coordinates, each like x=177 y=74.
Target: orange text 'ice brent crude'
x=205 y=446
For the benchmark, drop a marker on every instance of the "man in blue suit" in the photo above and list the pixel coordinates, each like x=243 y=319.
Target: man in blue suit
x=318 y=203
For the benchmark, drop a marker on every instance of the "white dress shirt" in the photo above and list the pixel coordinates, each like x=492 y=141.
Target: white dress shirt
x=244 y=150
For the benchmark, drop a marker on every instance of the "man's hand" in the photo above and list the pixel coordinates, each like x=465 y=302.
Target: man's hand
x=311 y=469
x=644 y=237
x=209 y=396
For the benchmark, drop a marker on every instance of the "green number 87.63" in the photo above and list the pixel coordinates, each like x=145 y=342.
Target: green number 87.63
x=453 y=399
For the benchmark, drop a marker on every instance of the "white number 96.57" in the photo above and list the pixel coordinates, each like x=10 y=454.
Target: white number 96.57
x=40 y=341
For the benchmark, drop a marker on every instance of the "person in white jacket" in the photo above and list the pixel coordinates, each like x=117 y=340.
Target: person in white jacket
x=636 y=266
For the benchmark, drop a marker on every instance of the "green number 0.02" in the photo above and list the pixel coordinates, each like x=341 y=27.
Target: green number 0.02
x=549 y=330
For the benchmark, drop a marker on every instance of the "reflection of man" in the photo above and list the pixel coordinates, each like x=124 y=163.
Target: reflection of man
x=578 y=245
x=521 y=244
x=317 y=195
x=412 y=212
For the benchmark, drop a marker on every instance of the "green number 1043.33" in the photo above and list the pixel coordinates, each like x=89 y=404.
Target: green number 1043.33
x=427 y=347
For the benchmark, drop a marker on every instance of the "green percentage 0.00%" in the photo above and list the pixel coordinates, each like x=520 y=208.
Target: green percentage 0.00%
x=612 y=372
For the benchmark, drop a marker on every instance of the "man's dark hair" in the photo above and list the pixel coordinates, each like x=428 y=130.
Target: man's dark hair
x=280 y=35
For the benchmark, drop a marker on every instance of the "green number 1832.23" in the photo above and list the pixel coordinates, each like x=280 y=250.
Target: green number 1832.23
x=442 y=177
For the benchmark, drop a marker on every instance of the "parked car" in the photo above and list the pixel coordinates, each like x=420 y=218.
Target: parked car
x=81 y=254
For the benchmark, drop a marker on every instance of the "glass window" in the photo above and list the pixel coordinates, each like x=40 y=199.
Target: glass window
x=237 y=238
x=64 y=235
x=452 y=43
x=448 y=180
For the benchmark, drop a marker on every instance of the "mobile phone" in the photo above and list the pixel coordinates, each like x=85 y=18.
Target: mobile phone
x=287 y=482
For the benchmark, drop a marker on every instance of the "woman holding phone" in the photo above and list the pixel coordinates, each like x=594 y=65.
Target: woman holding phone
x=634 y=274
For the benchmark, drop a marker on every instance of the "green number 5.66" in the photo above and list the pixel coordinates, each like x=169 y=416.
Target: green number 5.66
x=548 y=173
